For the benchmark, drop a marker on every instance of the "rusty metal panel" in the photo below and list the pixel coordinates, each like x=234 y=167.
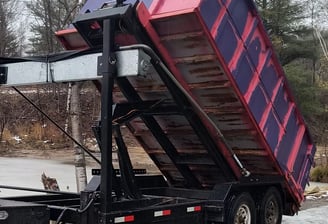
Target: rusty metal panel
x=220 y=53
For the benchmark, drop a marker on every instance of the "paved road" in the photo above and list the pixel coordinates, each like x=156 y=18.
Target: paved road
x=312 y=215
x=315 y=210
x=27 y=173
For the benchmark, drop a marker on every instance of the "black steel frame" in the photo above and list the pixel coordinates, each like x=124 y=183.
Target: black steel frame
x=108 y=71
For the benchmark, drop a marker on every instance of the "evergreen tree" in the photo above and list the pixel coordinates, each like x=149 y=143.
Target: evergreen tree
x=291 y=25
x=284 y=21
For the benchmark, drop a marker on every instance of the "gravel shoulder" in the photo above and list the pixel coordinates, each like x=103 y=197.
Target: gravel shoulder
x=316 y=196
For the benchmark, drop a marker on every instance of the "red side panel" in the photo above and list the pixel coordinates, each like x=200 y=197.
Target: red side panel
x=71 y=39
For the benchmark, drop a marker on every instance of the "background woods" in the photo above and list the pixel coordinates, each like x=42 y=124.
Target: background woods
x=22 y=125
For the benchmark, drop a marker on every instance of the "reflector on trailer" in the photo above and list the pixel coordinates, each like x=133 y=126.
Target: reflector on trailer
x=123 y=219
x=162 y=213
x=194 y=209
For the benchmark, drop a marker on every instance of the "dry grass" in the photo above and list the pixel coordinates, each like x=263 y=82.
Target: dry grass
x=321 y=156
x=319 y=174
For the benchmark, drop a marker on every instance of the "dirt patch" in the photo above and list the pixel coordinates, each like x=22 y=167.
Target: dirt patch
x=316 y=196
x=321 y=156
x=314 y=203
x=62 y=155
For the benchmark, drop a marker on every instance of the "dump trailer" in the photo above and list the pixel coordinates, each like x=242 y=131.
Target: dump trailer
x=197 y=83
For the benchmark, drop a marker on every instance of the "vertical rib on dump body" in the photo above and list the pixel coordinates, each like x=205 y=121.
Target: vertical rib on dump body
x=220 y=53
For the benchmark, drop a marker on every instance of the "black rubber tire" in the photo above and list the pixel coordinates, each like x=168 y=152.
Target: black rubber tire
x=270 y=211
x=241 y=210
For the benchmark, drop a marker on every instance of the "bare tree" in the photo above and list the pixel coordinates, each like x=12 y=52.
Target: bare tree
x=5 y=111
x=80 y=171
x=8 y=39
x=49 y=17
x=68 y=105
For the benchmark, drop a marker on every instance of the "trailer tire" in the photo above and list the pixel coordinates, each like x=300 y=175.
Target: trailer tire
x=271 y=207
x=241 y=210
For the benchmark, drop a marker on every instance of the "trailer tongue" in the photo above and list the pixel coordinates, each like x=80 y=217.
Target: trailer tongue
x=198 y=85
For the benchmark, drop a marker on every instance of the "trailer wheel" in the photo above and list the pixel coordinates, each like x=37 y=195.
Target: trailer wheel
x=241 y=210
x=271 y=207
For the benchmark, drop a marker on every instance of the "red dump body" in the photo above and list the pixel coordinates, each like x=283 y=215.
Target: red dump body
x=221 y=55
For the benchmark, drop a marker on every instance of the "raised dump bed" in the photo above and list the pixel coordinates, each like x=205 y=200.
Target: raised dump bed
x=221 y=55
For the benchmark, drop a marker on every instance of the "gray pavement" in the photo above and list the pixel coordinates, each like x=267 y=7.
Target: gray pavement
x=27 y=173
x=313 y=215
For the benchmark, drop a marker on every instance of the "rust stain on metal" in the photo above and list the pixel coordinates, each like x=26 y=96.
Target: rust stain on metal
x=197 y=59
x=206 y=71
x=182 y=36
x=250 y=152
x=209 y=85
x=223 y=98
x=239 y=132
x=156 y=151
x=175 y=132
x=221 y=110
x=194 y=150
x=151 y=88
